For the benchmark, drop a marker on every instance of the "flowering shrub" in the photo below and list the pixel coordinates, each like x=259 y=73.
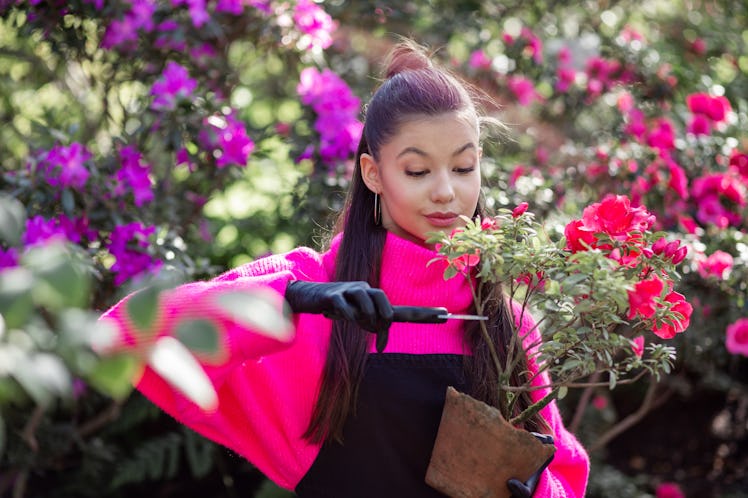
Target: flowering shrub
x=601 y=295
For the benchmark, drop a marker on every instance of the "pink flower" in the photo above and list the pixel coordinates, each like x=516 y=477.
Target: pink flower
x=669 y=490
x=668 y=329
x=578 y=238
x=198 y=14
x=714 y=108
x=600 y=402
x=65 y=166
x=487 y=223
x=40 y=230
x=615 y=216
x=466 y=260
x=337 y=110
x=8 y=258
x=519 y=210
x=643 y=298
x=314 y=23
x=133 y=175
x=717 y=264
x=523 y=89
x=637 y=344
x=227 y=138
x=662 y=135
x=698 y=46
x=739 y=163
x=175 y=83
x=129 y=246
x=736 y=340
x=699 y=125
x=479 y=60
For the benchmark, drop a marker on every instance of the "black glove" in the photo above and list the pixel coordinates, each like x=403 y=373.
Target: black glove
x=521 y=489
x=354 y=301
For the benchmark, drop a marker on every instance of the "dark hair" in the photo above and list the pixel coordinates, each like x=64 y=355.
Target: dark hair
x=413 y=87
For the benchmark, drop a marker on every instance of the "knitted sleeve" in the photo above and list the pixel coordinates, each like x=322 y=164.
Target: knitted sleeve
x=266 y=386
x=566 y=476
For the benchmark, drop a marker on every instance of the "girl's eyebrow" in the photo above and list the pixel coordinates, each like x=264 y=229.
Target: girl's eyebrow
x=420 y=152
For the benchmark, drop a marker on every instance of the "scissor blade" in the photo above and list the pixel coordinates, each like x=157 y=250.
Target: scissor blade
x=453 y=316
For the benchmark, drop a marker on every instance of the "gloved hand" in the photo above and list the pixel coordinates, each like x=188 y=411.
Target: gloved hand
x=353 y=301
x=521 y=489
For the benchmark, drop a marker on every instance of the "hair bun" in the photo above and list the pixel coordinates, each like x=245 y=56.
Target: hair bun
x=407 y=56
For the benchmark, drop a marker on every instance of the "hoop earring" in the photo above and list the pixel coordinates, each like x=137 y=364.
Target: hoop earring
x=377 y=211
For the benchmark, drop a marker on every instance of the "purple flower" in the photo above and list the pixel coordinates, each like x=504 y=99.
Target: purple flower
x=64 y=166
x=8 y=258
x=198 y=14
x=39 y=230
x=128 y=244
x=235 y=7
x=133 y=175
x=174 y=83
x=123 y=32
x=228 y=136
x=315 y=24
x=337 y=110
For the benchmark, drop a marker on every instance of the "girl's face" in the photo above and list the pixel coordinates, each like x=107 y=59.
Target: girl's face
x=427 y=175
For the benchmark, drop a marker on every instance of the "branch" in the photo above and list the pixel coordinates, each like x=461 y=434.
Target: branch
x=99 y=420
x=29 y=429
x=649 y=403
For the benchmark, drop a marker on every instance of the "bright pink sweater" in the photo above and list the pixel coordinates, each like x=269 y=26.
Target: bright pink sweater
x=267 y=388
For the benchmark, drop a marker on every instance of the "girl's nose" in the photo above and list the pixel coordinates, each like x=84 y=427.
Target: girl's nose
x=442 y=190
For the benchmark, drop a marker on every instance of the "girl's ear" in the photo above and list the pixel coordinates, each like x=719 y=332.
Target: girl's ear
x=370 y=173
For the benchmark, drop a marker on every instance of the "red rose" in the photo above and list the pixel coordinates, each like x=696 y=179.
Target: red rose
x=642 y=298
x=668 y=329
x=578 y=238
x=615 y=217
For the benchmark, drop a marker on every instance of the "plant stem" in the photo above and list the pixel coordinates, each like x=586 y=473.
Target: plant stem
x=584 y=401
x=648 y=404
x=535 y=407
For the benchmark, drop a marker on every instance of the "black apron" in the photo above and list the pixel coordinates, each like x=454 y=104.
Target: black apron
x=388 y=443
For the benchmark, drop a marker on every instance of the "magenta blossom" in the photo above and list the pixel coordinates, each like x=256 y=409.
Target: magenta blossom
x=736 y=339
x=128 y=244
x=134 y=176
x=337 y=110
x=314 y=23
x=227 y=136
x=40 y=230
x=523 y=89
x=8 y=258
x=717 y=264
x=65 y=166
x=479 y=60
x=198 y=13
x=123 y=32
x=175 y=83
x=720 y=198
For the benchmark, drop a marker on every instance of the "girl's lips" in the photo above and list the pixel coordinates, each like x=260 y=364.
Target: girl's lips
x=442 y=220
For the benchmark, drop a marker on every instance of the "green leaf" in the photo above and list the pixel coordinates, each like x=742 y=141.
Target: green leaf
x=562 y=392
x=113 y=375
x=450 y=272
x=173 y=361
x=198 y=335
x=61 y=281
x=257 y=310
x=16 y=303
x=142 y=308
x=12 y=220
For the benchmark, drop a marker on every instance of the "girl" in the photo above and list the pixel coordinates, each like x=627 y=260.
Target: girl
x=324 y=414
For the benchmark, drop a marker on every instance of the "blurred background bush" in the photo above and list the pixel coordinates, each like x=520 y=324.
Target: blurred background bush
x=161 y=141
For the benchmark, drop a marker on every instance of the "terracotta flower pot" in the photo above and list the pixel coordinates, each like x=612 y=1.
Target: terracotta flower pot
x=477 y=451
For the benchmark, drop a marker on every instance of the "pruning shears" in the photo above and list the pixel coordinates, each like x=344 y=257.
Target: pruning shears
x=415 y=314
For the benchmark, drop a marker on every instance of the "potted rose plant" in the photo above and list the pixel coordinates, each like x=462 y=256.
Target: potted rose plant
x=598 y=298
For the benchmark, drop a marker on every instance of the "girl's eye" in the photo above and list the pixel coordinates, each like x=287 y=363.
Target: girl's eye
x=415 y=173
x=464 y=171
